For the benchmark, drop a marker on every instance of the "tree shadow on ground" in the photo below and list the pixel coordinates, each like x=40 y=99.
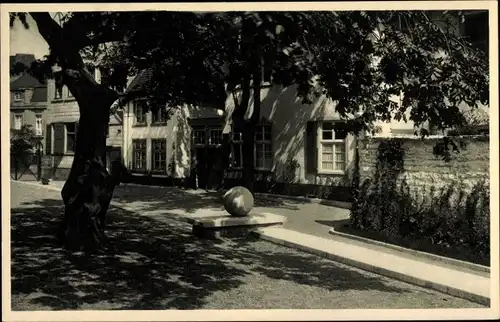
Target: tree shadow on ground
x=154 y=265
x=173 y=198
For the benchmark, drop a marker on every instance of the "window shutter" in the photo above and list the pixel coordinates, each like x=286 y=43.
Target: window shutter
x=59 y=138
x=48 y=139
x=311 y=148
x=76 y=133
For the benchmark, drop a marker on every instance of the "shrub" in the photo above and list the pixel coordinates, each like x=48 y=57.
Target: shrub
x=452 y=216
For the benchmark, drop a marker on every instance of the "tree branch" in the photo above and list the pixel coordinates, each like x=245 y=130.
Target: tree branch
x=63 y=47
x=57 y=41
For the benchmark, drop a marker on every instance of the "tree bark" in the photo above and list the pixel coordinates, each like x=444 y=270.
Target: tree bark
x=242 y=126
x=250 y=125
x=89 y=188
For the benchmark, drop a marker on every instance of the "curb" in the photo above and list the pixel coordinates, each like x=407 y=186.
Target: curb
x=446 y=260
x=379 y=270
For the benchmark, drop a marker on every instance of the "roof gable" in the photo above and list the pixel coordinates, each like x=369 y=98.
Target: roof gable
x=138 y=82
x=25 y=81
x=39 y=95
x=25 y=59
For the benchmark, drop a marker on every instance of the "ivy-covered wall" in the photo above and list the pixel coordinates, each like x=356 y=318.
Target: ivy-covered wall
x=426 y=162
x=426 y=194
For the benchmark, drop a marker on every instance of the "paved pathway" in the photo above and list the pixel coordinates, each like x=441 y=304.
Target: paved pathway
x=157 y=264
x=309 y=218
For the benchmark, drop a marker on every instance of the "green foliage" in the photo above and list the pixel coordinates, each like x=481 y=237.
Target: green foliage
x=359 y=59
x=22 y=141
x=452 y=216
x=171 y=163
x=430 y=66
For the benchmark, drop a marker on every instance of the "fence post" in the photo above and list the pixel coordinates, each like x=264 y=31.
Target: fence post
x=16 y=167
x=39 y=164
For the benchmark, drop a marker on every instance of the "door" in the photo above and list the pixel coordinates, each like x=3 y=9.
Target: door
x=201 y=167
x=112 y=154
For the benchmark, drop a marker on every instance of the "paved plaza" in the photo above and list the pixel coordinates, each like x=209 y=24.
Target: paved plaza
x=155 y=263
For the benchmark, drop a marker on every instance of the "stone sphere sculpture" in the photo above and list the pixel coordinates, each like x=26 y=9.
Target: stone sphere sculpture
x=238 y=201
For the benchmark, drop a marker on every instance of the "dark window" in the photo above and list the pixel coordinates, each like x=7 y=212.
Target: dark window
x=159 y=156
x=70 y=137
x=18 y=96
x=48 y=139
x=58 y=93
x=58 y=85
x=199 y=135
x=159 y=116
x=139 y=154
x=263 y=157
x=236 y=157
x=59 y=138
x=69 y=93
x=140 y=113
x=215 y=136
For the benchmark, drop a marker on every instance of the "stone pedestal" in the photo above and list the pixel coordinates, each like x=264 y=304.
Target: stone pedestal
x=219 y=223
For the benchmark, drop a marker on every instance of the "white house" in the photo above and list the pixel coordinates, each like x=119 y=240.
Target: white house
x=306 y=145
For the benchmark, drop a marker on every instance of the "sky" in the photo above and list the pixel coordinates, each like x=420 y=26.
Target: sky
x=27 y=41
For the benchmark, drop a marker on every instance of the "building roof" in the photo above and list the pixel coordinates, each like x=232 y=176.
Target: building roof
x=25 y=81
x=25 y=59
x=137 y=83
x=39 y=95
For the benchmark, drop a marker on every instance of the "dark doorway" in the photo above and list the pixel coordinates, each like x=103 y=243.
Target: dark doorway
x=206 y=144
x=112 y=154
x=206 y=171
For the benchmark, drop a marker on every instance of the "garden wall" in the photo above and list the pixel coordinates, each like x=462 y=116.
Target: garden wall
x=431 y=195
x=424 y=164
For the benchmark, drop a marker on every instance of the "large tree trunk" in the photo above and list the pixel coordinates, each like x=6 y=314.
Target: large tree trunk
x=88 y=190
x=242 y=126
x=250 y=125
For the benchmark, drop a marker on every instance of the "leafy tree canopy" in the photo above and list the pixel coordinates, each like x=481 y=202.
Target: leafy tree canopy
x=23 y=140
x=359 y=59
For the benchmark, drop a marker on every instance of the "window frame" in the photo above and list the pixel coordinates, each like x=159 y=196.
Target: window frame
x=163 y=154
x=21 y=118
x=144 y=155
x=58 y=93
x=140 y=105
x=66 y=134
x=237 y=147
x=155 y=121
x=199 y=129
x=265 y=142
x=20 y=98
x=38 y=117
x=236 y=144
x=219 y=137
x=333 y=141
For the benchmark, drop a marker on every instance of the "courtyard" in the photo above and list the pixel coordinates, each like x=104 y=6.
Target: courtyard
x=155 y=263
